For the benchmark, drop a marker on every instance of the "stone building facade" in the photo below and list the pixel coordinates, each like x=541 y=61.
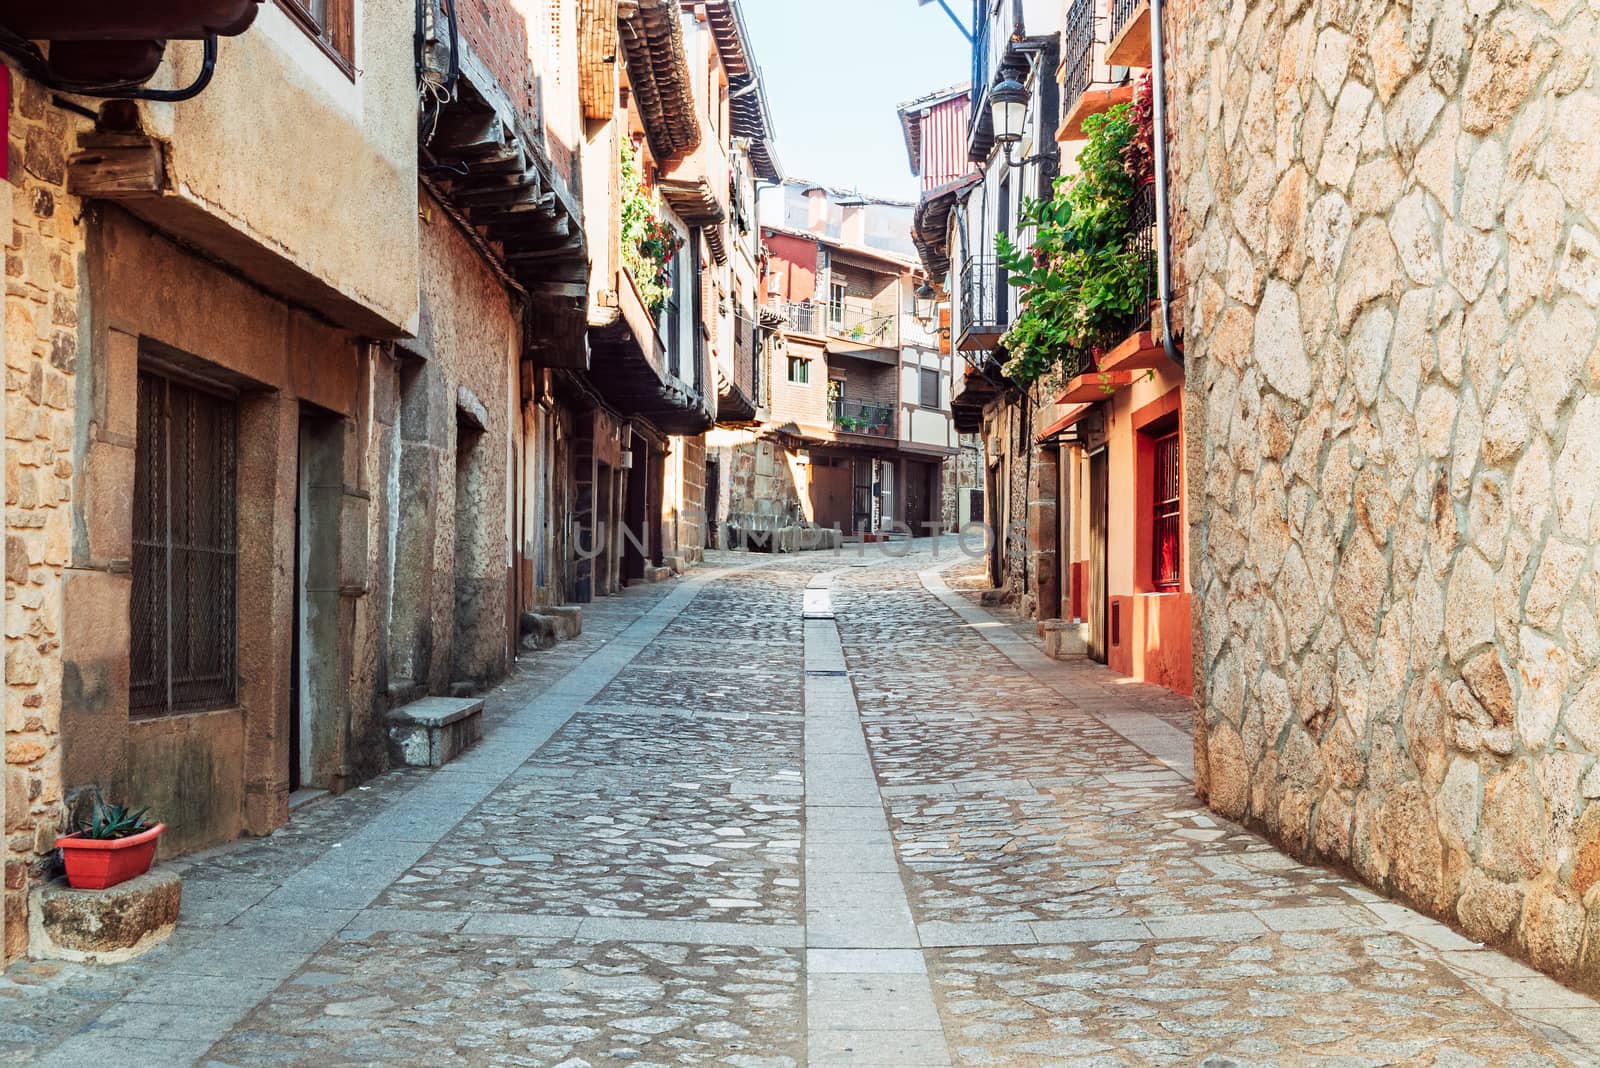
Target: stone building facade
x=1391 y=308
x=44 y=246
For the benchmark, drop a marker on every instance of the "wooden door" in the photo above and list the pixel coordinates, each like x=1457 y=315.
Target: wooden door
x=1095 y=580
x=831 y=494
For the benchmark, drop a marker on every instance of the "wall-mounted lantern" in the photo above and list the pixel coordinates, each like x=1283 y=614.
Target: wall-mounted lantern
x=1008 y=109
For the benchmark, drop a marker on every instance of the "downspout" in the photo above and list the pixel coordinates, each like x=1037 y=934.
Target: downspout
x=1158 y=88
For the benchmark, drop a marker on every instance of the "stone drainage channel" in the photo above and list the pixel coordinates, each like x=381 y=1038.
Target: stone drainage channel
x=868 y=997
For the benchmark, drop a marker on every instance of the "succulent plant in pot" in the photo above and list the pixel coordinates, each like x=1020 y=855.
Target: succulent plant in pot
x=109 y=847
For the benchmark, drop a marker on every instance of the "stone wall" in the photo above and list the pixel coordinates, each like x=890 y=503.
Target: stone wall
x=1391 y=294
x=44 y=250
x=1009 y=449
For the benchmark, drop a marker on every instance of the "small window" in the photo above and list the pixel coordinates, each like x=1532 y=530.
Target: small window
x=799 y=370
x=1167 y=540
x=183 y=615
x=929 y=394
x=330 y=23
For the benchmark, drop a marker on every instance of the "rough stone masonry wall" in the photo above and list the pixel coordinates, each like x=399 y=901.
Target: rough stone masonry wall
x=44 y=248
x=1391 y=342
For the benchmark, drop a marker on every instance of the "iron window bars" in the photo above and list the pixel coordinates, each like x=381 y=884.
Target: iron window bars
x=183 y=614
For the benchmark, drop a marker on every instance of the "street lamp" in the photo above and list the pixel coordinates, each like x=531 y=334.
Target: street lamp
x=924 y=305
x=1008 y=108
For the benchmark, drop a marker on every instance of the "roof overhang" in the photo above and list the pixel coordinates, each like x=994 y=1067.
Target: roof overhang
x=658 y=75
x=930 y=224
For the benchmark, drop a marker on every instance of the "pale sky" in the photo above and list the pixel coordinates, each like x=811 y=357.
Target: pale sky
x=835 y=72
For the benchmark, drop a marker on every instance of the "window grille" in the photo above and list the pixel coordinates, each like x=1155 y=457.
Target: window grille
x=1167 y=543
x=184 y=607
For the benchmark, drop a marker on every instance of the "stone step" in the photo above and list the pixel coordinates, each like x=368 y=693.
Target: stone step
x=1064 y=639
x=434 y=731
x=103 y=926
x=657 y=574
x=542 y=627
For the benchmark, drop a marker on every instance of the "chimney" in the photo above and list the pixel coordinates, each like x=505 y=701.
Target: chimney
x=854 y=230
x=817 y=210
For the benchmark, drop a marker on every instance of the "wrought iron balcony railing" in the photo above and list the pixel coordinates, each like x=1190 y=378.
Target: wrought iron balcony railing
x=866 y=325
x=985 y=298
x=1122 y=12
x=860 y=417
x=1077 y=53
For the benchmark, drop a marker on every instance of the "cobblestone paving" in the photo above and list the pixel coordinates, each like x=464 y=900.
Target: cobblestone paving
x=400 y=998
x=1356 y=998
x=1149 y=928
x=638 y=890
x=631 y=815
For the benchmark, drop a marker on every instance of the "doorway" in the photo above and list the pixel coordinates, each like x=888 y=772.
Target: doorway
x=830 y=493
x=920 y=497
x=315 y=688
x=1095 y=594
x=713 y=523
x=636 y=539
x=861 y=496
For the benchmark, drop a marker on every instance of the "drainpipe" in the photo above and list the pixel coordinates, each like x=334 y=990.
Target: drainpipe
x=1158 y=88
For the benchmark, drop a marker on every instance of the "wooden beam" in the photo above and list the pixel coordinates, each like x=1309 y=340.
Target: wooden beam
x=117 y=167
x=473 y=135
x=572 y=247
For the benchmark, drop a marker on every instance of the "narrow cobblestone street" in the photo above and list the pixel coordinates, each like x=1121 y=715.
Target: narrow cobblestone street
x=818 y=809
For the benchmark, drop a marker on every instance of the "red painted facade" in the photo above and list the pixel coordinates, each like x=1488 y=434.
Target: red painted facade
x=791 y=267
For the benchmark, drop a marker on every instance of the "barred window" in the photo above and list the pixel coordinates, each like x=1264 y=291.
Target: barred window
x=1168 y=539
x=185 y=550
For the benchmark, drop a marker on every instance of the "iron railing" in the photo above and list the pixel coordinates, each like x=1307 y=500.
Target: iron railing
x=1142 y=243
x=1122 y=14
x=183 y=613
x=860 y=417
x=867 y=325
x=1077 y=53
x=985 y=296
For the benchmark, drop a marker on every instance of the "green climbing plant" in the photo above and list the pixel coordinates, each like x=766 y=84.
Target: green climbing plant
x=1081 y=280
x=648 y=241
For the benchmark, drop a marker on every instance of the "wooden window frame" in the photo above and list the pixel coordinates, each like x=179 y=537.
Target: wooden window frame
x=337 y=39
x=924 y=376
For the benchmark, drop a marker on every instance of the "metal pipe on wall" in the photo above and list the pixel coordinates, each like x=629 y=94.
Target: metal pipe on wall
x=1158 y=88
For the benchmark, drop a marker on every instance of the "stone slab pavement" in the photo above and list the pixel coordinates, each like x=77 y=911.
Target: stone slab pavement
x=815 y=809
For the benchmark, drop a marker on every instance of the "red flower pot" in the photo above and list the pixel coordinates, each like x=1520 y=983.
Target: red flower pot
x=94 y=864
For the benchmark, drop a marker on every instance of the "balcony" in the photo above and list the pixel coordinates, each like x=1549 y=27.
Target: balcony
x=638 y=371
x=695 y=188
x=854 y=328
x=862 y=418
x=1130 y=34
x=1116 y=356
x=738 y=397
x=1086 y=85
x=985 y=303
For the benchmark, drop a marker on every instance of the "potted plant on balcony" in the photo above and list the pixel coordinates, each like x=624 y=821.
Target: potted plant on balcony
x=112 y=846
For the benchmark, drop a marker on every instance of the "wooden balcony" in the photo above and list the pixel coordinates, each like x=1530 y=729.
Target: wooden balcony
x=1130 y=34
x=1084 y=75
